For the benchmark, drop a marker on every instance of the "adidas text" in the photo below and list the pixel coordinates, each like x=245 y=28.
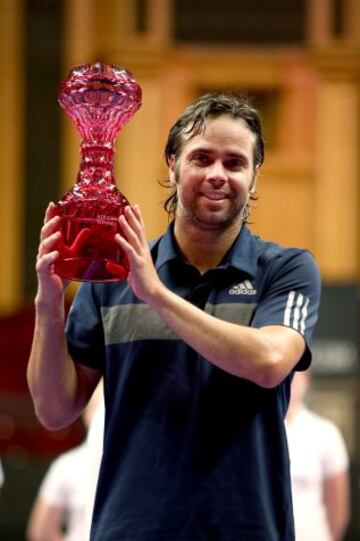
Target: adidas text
x=244 y=288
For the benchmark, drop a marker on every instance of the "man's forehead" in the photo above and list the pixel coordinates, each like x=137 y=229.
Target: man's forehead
x=225 y=128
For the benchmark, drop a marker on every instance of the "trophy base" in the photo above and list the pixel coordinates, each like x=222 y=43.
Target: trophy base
x=83 y=269
x=87 y=248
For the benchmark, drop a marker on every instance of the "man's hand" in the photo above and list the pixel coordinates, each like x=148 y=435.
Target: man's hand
x=50 y=285
x=142 y=277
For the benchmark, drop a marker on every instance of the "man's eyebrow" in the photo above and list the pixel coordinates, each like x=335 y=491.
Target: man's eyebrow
x=231 y=154
x=238 y=155
x=201 y=149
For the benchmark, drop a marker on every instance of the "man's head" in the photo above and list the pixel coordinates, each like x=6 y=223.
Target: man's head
x=193 y=122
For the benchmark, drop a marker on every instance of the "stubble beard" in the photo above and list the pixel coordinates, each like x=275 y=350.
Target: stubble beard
x=208 y=220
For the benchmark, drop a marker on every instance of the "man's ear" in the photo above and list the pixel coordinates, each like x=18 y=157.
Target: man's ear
x=172 y=175
x=254 y=180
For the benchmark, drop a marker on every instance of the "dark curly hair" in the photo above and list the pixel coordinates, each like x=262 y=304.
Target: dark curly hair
x=192 y=122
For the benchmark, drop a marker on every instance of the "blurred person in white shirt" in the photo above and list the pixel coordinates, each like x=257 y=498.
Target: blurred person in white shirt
x=63 y=507
x=319 y=470
x=1 y=475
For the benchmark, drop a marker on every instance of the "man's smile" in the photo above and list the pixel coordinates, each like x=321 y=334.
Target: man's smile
x=215 y=195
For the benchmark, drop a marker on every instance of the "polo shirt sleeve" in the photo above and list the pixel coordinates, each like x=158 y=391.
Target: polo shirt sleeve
x=84 y=330
x=291 y=297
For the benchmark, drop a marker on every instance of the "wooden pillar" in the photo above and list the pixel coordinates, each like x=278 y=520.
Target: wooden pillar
x=160 y=16
x=320 y=14
x=114 y=27
x=79 y=47
x=139 y=158
x=11 y=153
x=118 y=24
x=335 y=210
x=352 y=22
x=297 y=109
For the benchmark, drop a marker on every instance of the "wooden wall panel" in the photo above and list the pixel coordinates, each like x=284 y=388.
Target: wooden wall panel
x=336 y=220
x=283 y=211
x=138 y=159
x=11 y=153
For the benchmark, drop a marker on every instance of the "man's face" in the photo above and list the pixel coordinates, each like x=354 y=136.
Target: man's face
x=215 y=173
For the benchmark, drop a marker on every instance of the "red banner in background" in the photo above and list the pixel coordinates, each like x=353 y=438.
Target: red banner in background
x=21 y=434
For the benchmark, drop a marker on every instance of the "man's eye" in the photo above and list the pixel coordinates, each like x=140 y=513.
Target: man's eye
x=234 y=164
x=201 y=159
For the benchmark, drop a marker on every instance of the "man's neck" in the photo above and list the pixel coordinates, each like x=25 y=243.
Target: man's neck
x=204 y=248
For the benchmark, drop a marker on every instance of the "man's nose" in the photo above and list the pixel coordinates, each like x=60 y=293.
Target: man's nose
x=216 y=173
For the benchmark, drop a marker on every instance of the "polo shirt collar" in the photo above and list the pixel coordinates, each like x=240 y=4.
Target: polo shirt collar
x=167 y=249
x=242 y=255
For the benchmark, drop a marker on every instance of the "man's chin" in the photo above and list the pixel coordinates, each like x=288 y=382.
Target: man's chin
x=211 y=219
x=216 y=221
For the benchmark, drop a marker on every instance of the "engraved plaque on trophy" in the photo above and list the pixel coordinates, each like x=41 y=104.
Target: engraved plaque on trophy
x=100 y=99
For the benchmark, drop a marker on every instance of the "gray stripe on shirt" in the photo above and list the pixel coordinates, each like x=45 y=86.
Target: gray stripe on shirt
x=132 y=322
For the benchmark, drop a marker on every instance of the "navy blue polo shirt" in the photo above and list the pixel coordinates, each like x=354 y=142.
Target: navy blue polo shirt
x=190 y=451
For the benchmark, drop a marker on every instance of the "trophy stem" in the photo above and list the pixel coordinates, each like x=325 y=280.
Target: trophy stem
x=97 y=164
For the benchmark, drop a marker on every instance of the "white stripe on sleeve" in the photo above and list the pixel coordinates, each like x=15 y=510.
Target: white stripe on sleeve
x=298 y=305
x=304 y=312
x=289 y=305
x=296 y=311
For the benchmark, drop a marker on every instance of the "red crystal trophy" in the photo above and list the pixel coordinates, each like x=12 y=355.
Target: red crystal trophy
x=100 y=99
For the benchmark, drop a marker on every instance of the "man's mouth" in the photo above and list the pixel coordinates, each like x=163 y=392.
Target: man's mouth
x=215 y=196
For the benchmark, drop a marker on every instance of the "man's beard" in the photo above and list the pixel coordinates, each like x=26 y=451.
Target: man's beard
x=192 y=215
x=206 y=219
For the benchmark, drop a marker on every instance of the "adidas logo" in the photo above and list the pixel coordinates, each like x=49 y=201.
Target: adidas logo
x=244 y=288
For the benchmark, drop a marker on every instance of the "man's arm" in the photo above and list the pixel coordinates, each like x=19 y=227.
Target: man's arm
x=336 y=498
x=59 y=387
x=46 y=522
x=264 y=356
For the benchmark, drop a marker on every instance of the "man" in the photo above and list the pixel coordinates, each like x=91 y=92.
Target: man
x=197 y=349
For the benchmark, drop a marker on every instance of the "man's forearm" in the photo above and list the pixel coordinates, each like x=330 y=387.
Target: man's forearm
x=51 y=373
x=263 y=356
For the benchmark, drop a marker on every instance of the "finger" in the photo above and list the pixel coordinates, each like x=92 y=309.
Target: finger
x=49 y=243
x=49 y=227
x=133 y=257
x=136 y=233
x=44 y=263
x=125 y=245
x=129 y=233
x=51 y=211
x=133 y=219
x=139 y=216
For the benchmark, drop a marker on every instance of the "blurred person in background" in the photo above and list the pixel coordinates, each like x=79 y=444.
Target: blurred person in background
x=2 y=478
x=63 y=508
x=319 y=470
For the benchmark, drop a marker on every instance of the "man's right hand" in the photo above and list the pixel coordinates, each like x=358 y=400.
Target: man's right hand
x=50 y=285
